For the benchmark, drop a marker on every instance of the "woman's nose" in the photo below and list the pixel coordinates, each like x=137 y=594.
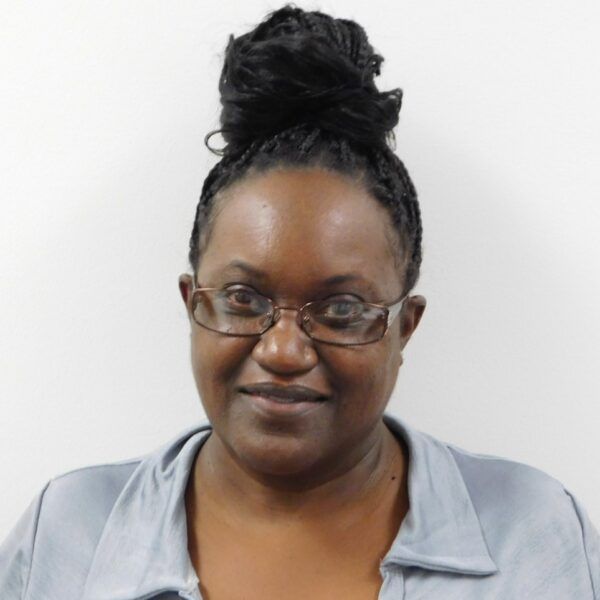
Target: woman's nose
x=285 y=347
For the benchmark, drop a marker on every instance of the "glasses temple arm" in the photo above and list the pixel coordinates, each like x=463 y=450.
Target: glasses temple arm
x=394 y=309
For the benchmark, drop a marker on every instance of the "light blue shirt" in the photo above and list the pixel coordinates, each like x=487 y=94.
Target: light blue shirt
x=478 y=528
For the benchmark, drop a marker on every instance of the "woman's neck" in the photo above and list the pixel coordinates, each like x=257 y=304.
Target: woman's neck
x=235 y=496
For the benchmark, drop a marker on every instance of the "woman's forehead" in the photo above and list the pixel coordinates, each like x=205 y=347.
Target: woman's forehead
x=310 y=222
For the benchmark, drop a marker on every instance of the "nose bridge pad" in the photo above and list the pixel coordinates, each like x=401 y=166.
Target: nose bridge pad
x=304 y=322
x=276 y=315
x=301 y=320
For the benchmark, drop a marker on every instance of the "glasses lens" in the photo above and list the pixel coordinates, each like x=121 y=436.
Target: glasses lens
x=343 y=322
x=233 y=311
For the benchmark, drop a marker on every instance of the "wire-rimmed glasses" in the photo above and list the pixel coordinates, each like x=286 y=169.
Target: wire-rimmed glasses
x=237 y=311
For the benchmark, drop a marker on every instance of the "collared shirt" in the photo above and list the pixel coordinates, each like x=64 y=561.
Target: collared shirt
x=479 y=527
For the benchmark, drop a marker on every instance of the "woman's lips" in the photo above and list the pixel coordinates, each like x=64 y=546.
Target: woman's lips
x=276 y=406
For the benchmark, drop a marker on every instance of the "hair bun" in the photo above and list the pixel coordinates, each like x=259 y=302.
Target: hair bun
x=304 y=67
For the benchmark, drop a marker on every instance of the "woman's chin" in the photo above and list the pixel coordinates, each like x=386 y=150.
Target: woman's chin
x=275 y=455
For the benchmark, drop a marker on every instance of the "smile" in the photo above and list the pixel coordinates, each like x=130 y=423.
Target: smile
x=282 y=406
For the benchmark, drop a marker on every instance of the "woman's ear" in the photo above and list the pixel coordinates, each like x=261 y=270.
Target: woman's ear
x=186 y=285
x=411 y=314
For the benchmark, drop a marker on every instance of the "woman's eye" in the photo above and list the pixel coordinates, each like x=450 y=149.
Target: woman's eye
x=344 y=309
x=241 y=297
x=243 y=302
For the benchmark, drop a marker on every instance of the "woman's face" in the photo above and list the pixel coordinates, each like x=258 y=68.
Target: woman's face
x=298 y=228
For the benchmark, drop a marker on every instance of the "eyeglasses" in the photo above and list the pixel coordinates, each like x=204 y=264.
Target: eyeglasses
x=240 y=311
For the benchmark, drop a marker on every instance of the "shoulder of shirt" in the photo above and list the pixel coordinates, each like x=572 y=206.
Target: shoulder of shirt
x=516 y=503
x=487 y=471
x=502 y=486
x=509 y=470
x=101 y=484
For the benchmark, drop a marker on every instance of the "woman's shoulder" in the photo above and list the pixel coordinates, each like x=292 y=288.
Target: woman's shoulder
x=98 y=486
x=493 y=482
x=109 y=478
x=70 y=513
x=512 y=497
x=525 y=511
x=489 y=474
x=507 y=490
x=535 y=530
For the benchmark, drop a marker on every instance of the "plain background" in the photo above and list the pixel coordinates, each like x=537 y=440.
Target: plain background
x=104 y=106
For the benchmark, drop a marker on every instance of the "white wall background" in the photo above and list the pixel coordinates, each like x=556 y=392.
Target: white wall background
x=103 y=109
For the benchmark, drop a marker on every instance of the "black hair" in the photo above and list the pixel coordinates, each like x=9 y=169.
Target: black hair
x=299 y=91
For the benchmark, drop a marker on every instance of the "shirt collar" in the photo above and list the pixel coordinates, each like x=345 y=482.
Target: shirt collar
x=441 y=530
x=143 y=548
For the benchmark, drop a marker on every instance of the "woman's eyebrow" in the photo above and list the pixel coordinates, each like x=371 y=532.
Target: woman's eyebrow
x=329 y=281
x=336 y=279
x=244 y=266
x=350 y=277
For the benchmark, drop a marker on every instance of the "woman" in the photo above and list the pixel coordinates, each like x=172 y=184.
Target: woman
x=305 y=248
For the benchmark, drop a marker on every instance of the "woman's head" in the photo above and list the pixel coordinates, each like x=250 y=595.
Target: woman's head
x=299 y=90
x=308 y=190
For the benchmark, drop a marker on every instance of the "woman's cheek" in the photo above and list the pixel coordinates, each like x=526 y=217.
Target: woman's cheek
x=352 y=378
x=372 y=376
x=218 y=360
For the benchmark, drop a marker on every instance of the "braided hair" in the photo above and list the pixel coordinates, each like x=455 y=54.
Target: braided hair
x=298 y=91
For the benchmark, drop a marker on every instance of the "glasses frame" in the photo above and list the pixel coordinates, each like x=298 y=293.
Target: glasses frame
x=392 y=310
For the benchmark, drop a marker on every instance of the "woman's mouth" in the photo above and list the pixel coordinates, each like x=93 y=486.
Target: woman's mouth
x=282 y=406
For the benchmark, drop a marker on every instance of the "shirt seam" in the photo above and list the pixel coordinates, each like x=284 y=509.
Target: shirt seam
x=475 y=512
x=122 y=463
x=33 y=544
x=587 y=560
x=501 y=459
